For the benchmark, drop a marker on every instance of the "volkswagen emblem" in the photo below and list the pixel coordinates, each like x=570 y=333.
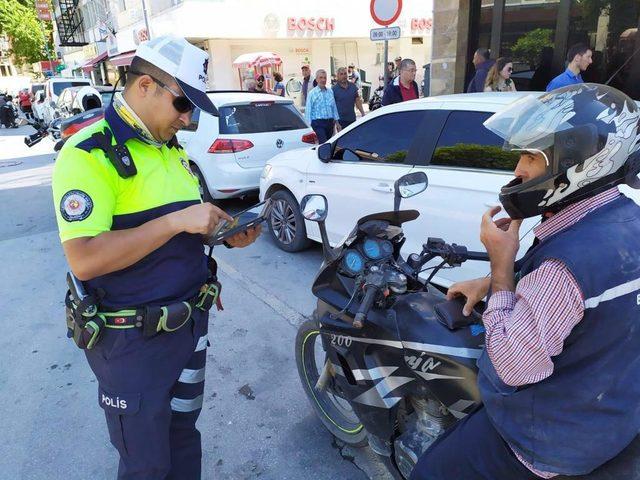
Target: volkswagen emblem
x=279 y=143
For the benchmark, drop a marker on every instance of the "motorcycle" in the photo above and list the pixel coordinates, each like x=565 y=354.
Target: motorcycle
x=375 y=102
x=386 y=360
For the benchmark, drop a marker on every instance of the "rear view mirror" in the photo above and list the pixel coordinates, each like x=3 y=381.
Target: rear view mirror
x=314 y=208
x=409 y=185
x=325 y=151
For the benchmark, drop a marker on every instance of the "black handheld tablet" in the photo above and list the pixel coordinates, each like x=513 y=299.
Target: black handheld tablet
x=242 y=221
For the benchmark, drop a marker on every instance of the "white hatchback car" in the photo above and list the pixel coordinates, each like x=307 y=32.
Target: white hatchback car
x=443 y=136
x=228 y=152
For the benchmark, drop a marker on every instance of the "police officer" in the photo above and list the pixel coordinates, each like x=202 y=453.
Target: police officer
x=131 y=223
x=559 y=375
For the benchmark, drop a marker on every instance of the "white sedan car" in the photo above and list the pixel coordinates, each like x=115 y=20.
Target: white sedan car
x=228 y=152
x=443 y=136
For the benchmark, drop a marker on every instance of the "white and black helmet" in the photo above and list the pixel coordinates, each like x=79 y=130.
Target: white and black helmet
x=588 y=134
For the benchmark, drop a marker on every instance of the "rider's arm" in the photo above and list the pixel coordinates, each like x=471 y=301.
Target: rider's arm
x=526 y=328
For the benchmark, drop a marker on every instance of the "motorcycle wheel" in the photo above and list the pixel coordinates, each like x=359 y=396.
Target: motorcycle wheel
x=334 y=412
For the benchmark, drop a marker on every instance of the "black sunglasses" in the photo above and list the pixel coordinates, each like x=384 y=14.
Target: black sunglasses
x=181 y=103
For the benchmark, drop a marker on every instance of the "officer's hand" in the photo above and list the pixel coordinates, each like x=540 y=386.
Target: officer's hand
x=201 y=218
x=243 y=239
x=473 y=290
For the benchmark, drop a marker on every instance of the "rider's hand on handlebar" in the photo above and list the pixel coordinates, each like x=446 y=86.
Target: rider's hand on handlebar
x=473 y=290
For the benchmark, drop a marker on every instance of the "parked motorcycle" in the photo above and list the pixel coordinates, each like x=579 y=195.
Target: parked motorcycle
x=386 y=360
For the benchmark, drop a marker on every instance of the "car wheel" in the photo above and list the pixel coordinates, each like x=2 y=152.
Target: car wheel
x=286 y=223
x=204 y=191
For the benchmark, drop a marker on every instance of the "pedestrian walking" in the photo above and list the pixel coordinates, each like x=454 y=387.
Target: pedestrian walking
x=499 y=76
x=321 y=110
x=24 y=100
x=483 y=63
x=404 y=86
x=8 y=113
x=397 y=62
x=391 y=69
x=354 y=76
x=308 y=83
x=278 y=88
x=579 y=57
x=132 y=225
x=347 y=96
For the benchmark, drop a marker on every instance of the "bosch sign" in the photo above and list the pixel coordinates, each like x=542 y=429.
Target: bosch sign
x=313 y=24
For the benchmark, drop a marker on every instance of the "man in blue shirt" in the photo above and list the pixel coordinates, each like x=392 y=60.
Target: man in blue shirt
x=346 y=96
x=321 y=110
x=579 y=58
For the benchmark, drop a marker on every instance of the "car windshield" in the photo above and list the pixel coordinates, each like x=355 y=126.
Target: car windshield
x=260 y=117
x=58 y=87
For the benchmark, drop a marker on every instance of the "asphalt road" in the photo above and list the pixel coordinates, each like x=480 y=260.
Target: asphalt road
x=51 y=426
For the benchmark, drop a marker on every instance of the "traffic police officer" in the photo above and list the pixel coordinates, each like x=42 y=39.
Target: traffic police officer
x=131 y=223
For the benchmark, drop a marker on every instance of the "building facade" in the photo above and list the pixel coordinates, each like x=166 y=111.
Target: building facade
x=536 y=35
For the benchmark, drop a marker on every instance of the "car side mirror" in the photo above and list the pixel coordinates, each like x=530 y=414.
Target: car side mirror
x=409 y=185
x=325 y=152
x=314 y=208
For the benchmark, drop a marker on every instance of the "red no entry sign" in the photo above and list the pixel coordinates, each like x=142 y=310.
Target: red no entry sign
x=385 y=12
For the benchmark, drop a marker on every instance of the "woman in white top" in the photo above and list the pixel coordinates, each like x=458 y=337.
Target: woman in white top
x=499 y=77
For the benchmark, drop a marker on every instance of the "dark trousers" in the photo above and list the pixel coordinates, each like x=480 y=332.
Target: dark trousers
x=345 y=123
x=323 y=128
x=151 y=390
x=471 y=450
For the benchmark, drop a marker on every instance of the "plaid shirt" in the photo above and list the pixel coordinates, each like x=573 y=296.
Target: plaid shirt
x=526 y=328
x=321 y=105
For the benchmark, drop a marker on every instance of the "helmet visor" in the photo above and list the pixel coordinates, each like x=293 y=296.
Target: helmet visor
x=531 y=123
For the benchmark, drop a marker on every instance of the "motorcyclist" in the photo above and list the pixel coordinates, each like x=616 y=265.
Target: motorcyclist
x=560 y=372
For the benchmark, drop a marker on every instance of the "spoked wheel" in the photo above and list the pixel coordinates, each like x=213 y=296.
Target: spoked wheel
x=286 y=223
x=334 y=411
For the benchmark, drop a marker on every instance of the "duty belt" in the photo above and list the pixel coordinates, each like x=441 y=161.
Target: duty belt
x=168 y=318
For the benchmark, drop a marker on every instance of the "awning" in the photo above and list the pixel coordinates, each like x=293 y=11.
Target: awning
x=123 y=60
x=89 y=64
x=257 y=59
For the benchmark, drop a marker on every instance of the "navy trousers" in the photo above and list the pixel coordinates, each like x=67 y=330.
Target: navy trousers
x=323 y=128
x=151 y=390
x=471 y=450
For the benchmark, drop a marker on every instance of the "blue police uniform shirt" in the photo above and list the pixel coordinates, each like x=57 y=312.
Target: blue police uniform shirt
x=564 y=79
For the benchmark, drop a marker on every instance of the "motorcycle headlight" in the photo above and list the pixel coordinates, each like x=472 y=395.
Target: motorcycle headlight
x=266 y=171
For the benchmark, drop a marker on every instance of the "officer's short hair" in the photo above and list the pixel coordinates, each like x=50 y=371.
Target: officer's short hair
x=577 y=49
x=407 y=63
x=139 y=67
x=321 y=71
x=341 y=69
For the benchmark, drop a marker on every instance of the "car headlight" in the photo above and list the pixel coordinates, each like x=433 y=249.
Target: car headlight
x=266 y=171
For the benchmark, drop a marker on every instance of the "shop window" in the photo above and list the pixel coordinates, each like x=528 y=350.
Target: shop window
x=384 y=139
x=611 y=29
x=528 y=38
x=466 y=143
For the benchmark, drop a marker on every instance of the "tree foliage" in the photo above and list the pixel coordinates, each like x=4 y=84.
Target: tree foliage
x=528 y=47
x=19 y=22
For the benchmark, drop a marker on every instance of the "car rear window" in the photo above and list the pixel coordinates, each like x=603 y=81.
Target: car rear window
x=260 y=117
x=60 y=86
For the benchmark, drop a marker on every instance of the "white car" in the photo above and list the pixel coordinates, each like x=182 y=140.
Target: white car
x=52 y=90
x=443 y=136
x=228 y=152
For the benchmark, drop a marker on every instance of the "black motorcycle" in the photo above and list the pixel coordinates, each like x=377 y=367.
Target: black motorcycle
x=387 y=360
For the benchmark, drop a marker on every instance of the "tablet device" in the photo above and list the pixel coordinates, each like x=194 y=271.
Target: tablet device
x=242 y=221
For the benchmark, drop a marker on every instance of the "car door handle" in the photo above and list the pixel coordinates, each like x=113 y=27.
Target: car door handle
x=383 y=187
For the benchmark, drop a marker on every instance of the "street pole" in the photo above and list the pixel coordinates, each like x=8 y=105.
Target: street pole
x=46 y=47
x=386 y=60
x=146 y=18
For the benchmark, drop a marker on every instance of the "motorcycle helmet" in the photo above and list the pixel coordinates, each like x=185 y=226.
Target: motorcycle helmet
x=588 y=135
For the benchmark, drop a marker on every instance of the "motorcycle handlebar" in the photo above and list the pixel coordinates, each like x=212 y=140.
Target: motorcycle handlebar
x=482 y=256
x=365 y=306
